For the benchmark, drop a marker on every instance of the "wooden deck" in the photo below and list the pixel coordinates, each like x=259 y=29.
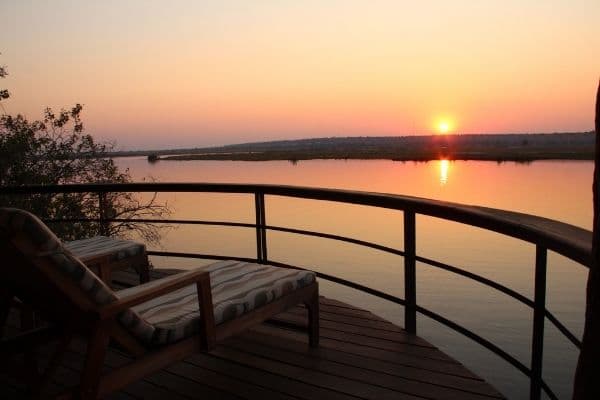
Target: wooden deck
x=361 y=356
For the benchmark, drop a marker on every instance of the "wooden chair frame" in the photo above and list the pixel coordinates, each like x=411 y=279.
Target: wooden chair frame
x=104 y=266
x=100 y=325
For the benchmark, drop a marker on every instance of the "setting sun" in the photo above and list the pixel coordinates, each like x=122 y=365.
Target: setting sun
x=443 y=127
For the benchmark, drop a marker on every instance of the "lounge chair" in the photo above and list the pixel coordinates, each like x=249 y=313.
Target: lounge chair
x=158 y=322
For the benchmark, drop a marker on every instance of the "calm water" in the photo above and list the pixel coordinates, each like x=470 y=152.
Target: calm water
x=553 y=189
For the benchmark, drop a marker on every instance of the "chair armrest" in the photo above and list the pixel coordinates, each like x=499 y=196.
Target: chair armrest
x=151 y=290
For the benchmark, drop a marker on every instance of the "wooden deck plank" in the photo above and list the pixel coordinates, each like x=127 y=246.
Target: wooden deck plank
x=329 y=314
x=187 y=386
x=163 y=383
x=185 y=379
x=377 y=342
x=155 y=386
x=324 y=354
x=311 y=376
x=351 y=312
x=225 y=383
x=282 y=384
x=355 y=373
x=73 y=360
x=340 y=304
x=160 y=385
x=370 y=352
x=393 y=336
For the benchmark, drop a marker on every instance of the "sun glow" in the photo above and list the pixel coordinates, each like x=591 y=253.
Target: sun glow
x=444 y=126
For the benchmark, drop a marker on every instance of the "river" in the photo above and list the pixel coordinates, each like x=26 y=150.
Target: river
x=559 y=190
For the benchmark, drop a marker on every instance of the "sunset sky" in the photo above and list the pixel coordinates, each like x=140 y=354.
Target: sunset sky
x=156 y=74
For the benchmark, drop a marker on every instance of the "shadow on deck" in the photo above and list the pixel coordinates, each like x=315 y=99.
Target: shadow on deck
x=361 y=356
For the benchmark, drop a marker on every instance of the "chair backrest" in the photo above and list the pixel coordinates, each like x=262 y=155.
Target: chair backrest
x=41 y=272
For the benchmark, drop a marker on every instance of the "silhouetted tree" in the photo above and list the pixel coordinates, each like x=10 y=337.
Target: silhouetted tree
x=3 y=92
x=55 y=150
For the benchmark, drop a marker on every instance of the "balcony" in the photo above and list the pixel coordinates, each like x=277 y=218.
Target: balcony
x=362 y=354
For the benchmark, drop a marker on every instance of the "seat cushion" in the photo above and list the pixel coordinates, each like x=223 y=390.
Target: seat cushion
x=115 y=249
x=237 y=288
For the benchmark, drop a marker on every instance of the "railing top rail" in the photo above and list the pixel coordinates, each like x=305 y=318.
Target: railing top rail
x=571 y=241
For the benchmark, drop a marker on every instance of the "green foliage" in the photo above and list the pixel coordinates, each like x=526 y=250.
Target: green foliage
x=56 y=151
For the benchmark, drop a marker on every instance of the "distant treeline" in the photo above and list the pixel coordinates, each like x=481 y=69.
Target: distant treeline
x=497 y=147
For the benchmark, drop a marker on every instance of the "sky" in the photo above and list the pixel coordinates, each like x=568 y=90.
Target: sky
x=167 y=74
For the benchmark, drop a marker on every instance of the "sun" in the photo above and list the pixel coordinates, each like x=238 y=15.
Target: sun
x=444 y=127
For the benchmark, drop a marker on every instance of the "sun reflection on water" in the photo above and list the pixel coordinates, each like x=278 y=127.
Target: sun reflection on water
x=444 y=167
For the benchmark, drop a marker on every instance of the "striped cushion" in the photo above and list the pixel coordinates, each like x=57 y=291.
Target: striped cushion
x=116 y=249
x=237 y=288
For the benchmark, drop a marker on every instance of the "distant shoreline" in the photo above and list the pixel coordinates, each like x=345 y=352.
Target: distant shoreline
x=297 y=157
x=489 y=147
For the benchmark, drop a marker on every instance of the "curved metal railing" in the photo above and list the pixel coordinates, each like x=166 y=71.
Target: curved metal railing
x=567 y=240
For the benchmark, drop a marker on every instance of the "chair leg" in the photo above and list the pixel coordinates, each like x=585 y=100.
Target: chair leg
x=27 y=324
x=313 y=320
x=92 y=370
x=53 y=364
x=207 y=319
x=105 y=274
x=5 y=304
x=144 y=272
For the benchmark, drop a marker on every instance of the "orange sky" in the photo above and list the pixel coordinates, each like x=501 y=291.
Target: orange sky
x=186 y=73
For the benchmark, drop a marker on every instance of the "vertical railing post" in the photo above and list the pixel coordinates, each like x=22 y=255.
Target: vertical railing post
x=539 y=317
x=261 y=232
x=410 y=276
x=104 y=227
